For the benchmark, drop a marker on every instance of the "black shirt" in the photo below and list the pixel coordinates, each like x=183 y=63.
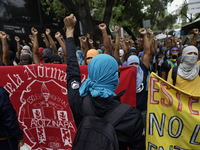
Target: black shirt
x=128 y=130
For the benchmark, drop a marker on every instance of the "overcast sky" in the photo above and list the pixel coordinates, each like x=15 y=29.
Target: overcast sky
x=174 y=5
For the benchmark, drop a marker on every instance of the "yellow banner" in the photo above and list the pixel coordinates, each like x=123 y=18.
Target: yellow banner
x=173 y=117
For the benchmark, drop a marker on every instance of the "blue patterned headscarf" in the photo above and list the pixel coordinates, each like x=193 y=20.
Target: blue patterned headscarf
x=102 y=77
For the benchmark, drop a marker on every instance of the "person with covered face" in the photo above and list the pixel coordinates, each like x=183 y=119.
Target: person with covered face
x=55 y=59
x=100 y=86
x=25 y=59
x=170 y=62
x=188 y=78
x=46 y=53
x=79 y=56
x=141 y=80
x=40 y=50
x=132 y=51
x=62 y=55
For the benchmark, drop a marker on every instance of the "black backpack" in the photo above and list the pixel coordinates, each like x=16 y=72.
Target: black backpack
x=96 y=133
x=174 y=74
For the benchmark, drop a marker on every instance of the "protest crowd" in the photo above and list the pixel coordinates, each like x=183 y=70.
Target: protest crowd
x=174 y=60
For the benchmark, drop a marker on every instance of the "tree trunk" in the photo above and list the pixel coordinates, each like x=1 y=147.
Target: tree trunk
x=81 y=10
x=130 y=33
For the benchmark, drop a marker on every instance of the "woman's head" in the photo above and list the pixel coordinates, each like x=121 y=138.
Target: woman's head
x=133 y=61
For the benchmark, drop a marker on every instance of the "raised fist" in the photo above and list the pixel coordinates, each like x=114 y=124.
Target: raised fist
x=142 y=31
x=8 y=37
x=149 y=32
x=34 y=31
x=48 y=31
x=98 y=42
x=43 y=35
x=57 y=35
x=88 y=35
x=84 y=39
x=131 y=41
x=102 y=26
x=179 y=40
x=31 y=45
x=70 y=21
x=195 y=31
x=30 y=36
x=24 y=41
x=90 y=41
x=17 y=39
x=117 y=28
x=121 y=39
x=175 y=39
x=3 y=35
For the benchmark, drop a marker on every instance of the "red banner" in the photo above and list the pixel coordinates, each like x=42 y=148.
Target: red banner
x=39 y=96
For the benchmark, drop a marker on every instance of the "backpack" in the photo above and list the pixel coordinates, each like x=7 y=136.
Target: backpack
x=174 y=74
x=96 y=133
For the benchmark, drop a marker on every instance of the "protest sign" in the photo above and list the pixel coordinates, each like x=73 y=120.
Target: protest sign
x=173 y=120
x=39 y=95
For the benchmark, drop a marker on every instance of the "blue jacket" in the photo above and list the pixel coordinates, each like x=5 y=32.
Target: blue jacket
x=8 y=117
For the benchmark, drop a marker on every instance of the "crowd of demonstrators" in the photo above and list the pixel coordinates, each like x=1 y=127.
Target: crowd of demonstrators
x=174 y=60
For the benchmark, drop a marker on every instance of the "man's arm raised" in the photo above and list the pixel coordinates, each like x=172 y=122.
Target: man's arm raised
x=52 y=43
x=116 y=54
x=62 y=44
x=36 y=58
x=17 y=39
x=106 y=41
x=6 y=59
x=146 y=55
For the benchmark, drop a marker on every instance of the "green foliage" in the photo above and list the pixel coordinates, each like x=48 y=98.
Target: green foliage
x=97 y=9
x=56 y=7
x=126 y=13
x=167 y=22
x=182 y=13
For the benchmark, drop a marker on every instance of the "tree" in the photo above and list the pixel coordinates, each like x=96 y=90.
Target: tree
x=129 y=14
x=182 y=10
x=81 y=9
x=165 y=22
